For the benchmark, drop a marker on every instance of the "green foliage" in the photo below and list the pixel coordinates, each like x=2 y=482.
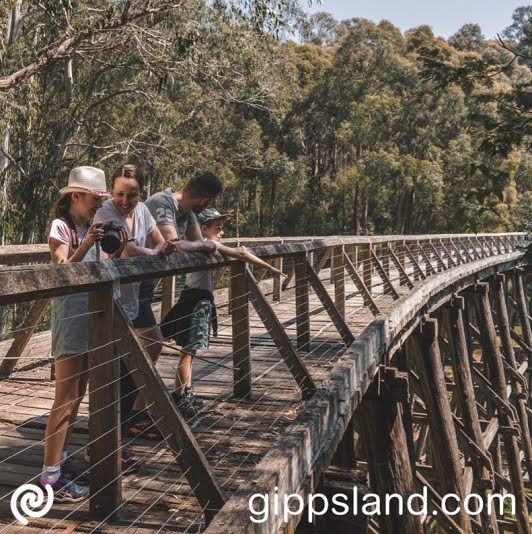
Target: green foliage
x=357 y=129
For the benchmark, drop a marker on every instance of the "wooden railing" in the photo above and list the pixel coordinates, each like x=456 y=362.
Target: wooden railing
x=27 y=275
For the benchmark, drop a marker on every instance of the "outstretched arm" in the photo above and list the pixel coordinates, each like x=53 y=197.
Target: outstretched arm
x=244 y=255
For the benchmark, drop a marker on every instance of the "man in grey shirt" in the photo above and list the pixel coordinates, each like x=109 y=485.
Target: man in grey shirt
x=175 y=211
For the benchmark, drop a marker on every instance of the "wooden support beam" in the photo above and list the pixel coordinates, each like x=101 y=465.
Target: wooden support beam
x=458 y=252
x=476 y=253
x=240 y=325
x=328 y=304
x=499 y=299
x=454 y=323
x=424 y=345
x=493 y=359
x=27 y=329
x=104 y=407
x=361 y=286
x=404 y=278
x=167 y=301
x=280 y=338
x=169 y=420
x=388 y=286
x=366 y=266
x=439 y=259
x=263 y=272
x=425 y=256
x=417 y=269
x=288 y=279
x=465 y=248
x=338 y=279
x=302 y=303
x=323 y=260
x=525 y=323
x=277 y=282
x=450 y=259
x=389 y=465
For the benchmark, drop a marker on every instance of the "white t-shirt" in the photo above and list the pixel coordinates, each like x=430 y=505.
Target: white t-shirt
x=144 y=226
x=203 y=279
x=61 y=231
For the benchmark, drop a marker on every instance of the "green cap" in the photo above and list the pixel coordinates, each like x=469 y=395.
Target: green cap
x=210 y=214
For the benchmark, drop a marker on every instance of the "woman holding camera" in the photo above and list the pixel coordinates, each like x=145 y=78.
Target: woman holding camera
x=71 y=239
x=145 y=239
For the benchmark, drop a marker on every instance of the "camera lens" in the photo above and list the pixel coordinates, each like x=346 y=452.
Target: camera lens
x=110 y=242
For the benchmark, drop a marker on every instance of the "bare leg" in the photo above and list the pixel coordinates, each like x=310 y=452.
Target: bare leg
x=153 y=349
x=71 y=381
x=183 y=375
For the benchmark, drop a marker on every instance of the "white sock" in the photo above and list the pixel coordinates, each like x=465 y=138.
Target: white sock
x=63 y=457
x=50 y=474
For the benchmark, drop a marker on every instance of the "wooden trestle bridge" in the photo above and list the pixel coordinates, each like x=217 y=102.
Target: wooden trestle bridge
x=389 y=363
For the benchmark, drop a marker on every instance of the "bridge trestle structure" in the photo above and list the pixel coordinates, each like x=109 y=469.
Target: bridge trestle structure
x=403 y=357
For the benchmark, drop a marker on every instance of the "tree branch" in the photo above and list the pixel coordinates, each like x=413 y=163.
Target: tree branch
x=68 y=47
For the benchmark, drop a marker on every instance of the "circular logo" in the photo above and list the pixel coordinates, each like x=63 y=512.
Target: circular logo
x=31 y=497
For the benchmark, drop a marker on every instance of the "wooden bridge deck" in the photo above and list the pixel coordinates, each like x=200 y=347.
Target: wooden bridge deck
x=233 y=433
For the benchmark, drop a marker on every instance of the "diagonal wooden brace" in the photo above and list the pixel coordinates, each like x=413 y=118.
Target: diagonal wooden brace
x=280 y=338
x=169 y=420
x=329 y=306
x=361 y=286
x=384 y=277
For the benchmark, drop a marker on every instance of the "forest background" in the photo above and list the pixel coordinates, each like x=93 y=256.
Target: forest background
x=316 y=126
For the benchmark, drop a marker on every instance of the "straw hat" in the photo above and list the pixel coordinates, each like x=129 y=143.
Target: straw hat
x=86 y=180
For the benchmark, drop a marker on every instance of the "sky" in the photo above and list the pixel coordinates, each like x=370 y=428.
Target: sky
x=445 y=17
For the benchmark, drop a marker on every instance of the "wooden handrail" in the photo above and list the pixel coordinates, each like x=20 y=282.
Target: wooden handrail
x=21 y=283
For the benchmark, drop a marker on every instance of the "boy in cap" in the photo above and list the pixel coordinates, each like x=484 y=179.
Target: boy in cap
x=188 y=322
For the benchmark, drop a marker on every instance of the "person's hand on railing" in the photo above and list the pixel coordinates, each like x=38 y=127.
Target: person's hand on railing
x=168 y=247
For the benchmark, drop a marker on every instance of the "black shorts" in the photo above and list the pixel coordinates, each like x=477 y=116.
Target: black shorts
x=145 y=318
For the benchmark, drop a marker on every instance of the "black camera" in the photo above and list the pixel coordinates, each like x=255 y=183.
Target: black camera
x=110 y=242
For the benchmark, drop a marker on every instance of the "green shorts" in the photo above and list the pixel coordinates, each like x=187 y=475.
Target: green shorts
x=200 y=326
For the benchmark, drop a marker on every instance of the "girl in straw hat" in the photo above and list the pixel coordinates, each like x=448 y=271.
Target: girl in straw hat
x=71 y=239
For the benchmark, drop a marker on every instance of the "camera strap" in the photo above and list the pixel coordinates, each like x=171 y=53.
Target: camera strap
x=73 y=233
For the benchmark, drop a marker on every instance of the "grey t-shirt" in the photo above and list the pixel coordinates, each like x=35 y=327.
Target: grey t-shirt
x=166 y=211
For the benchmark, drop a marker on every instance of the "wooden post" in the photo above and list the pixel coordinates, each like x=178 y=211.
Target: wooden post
x=280 y=338
x=389 y=465
x=278 y=264
x=525 y=324
x=240 y=324
x=503 y=323
x=424 y=344
x=104 y=407
x=366 y=262
x=385 y=259
x=493 y=359
x=23 y=336
x=302 y=303
x=466 y=398
x=338 y=278
x=167 y=301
